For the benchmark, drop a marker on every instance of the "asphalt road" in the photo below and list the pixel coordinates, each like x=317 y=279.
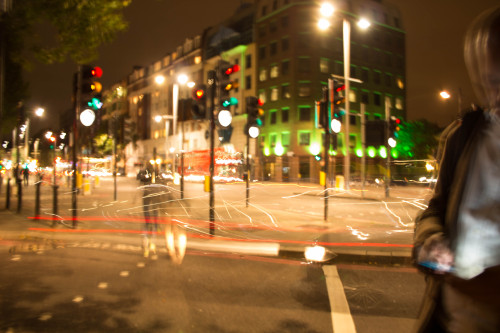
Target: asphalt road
x=63 y=287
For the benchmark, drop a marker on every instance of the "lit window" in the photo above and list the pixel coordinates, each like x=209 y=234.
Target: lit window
x=262 y=74
x=274 y=94
x=399 y=103
x=324 y=65
x=274 y=71
x=304 y=138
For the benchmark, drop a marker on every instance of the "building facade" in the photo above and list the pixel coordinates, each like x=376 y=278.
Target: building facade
x=286 y=61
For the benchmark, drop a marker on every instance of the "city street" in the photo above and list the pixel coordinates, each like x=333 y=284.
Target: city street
x=96 y=278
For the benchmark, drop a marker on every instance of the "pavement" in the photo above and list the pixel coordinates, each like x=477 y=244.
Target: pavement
x=19 y=228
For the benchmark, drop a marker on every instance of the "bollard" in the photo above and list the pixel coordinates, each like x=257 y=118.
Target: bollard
x=37 y=199
x=54 y=201
x=7 y=199
x=19 y=195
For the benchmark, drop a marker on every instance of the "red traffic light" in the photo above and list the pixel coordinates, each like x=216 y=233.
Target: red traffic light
x=199 y=93
x=96 y=71
x=233 y=69
x=260 y=102
x=340 y=88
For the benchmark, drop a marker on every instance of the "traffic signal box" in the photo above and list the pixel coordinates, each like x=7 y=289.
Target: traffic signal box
x=199 y=102
x=226 y=83
x=394 y=127
x=255 y=115
x=338 y=98
x=91 y=88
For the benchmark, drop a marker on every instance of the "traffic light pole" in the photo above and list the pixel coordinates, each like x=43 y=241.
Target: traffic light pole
x=248 y=172
x=387 y=147
x=77 y=79
x=326 y=148
x=212 y=83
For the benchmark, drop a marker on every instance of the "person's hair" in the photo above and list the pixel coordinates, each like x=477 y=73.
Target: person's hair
x=482 y=42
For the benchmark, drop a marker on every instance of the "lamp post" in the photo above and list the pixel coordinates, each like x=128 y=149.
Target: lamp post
x=182 y=80
x=326 y=11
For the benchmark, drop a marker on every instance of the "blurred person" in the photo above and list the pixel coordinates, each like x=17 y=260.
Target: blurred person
x=151 y=204
x=457 y=238
x=26 y=176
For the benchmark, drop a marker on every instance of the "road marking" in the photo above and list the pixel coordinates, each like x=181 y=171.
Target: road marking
x=124 y=273
x=341 y=315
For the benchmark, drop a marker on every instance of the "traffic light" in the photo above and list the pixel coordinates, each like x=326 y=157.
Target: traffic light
x=338 y=97
x=255 y=114
x=394 y=128
x=321 y=114
x=199 y=102
x=226 y=83
x=91 y=88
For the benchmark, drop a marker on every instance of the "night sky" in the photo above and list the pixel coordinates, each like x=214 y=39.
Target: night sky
x=434 y=58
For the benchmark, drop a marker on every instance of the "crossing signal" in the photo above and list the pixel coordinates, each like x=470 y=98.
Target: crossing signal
x=199 y=102
x=255 y=115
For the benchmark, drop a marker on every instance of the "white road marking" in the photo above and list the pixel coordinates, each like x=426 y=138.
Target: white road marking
x=124 y=273
x=341 y=315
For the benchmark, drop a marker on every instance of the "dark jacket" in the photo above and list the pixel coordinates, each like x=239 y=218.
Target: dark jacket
x=442 y=213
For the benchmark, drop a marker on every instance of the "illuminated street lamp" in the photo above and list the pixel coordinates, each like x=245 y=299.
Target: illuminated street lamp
x=326 y=11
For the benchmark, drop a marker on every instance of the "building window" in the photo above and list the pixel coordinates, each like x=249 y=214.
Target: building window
x=377 y=99
x=399 y=103
x=284 y=20
x=304 y=138
x=352 y=96
x=248 y=63
x=376 y=77
x=285 y=44
x=304 y=65
x=324 y=65
x=364 y=98
x=274 y=93
x=273 y=26
x=262 y=75
x=275 y=4
x=272 y=139
x=365 y=75
x=264 y=11
x=304 y=89
x=284 y=115
x=274 y=48
x=388 y=79
x=274 y=72
x=262 y=52
x=285 y=139
x=262 y=96
x=285 y=67
x=248 y=82
x=285 y=92
x=304 y=113
x=273 y=117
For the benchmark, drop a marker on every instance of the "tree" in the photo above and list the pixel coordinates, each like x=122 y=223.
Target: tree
x=79 y=27
x=74 y=30
x=417 y=139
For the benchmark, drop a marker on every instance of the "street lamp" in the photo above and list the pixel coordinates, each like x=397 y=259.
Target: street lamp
x=326 y=11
